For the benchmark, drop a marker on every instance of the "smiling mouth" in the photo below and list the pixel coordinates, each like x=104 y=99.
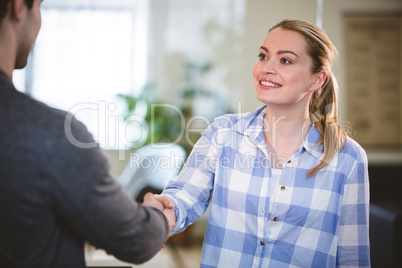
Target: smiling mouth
x=269 y=84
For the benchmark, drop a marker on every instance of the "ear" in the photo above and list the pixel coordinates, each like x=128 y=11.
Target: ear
x=17 y=9
x=319 y=80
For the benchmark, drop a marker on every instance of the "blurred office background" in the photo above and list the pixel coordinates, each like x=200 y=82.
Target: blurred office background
x=95 y=58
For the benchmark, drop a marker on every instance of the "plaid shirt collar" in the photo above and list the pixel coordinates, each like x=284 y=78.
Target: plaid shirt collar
x=251 y=125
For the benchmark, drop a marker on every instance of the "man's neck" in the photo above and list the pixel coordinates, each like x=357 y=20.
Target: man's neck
x=8 y=49
x=7 y=71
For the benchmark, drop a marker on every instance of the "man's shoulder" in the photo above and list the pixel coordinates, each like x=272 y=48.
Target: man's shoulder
x=19 y=102
x=24 y=117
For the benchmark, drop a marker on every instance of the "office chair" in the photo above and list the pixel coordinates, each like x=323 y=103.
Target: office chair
x=150 y=168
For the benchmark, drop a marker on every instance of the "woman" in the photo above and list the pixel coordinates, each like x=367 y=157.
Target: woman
x=289 y=187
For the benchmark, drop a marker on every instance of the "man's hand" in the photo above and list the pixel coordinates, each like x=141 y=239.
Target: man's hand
x=164 y=204
x=157 y=201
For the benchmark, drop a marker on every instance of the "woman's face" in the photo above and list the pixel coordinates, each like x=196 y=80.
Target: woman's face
x=282 y=76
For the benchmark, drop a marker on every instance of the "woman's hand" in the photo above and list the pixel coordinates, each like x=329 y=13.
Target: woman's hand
x=164 y=204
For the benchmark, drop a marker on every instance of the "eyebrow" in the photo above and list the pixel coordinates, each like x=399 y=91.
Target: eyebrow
x=280 y=51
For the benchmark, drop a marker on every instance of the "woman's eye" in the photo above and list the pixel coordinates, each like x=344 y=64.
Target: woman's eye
x=285 y=61
x=262 y=57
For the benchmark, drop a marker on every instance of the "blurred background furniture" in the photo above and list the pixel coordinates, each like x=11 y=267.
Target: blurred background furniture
x=150 y=168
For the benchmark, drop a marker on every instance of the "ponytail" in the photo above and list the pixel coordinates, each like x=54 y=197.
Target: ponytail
x=324 y=115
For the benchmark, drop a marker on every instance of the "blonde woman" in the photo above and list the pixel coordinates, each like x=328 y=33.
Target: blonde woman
x=290 y=189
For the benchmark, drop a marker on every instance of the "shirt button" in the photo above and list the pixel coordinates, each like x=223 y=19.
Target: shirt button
x=276 y=219
x=289 y=161
x=262 y=243
x=283 y=188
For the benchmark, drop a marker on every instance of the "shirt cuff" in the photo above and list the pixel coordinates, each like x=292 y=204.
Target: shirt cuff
x=177 y=227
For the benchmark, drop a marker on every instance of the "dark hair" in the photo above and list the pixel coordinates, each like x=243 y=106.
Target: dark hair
x=4 y=6
x=323 y=104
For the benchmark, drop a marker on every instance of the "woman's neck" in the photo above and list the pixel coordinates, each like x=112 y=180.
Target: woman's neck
x=284 y=131
x=286 y=126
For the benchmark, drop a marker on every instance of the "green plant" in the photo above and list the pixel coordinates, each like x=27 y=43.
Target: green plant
x=168 y=122
x=165 y=122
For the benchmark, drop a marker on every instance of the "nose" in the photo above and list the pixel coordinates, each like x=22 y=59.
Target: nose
x=269 y=67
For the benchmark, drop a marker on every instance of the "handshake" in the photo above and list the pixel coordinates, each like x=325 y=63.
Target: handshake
x=164 y=204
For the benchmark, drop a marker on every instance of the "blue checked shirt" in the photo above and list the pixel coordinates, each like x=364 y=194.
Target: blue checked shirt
x=320 y=221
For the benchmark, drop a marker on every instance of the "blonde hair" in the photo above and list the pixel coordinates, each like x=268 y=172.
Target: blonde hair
x=323 y=106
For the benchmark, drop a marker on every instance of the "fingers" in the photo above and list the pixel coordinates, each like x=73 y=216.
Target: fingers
x=164 y=204
x=165 y=200
x=160 y=202
x=148 y=196
x=171 y=217
x=151 y=201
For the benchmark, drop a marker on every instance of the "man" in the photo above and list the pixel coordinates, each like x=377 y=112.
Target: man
x=54 y=196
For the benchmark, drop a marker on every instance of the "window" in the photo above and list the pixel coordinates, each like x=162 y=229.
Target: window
x=84 y=56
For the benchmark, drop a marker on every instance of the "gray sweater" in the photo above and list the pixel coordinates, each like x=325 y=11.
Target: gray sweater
x=54 y=195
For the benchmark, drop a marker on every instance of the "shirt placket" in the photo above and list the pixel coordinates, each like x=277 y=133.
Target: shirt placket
x=263 y=212
x=275 y=222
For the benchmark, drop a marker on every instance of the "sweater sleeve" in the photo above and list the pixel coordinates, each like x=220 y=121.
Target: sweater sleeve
x=91 y=204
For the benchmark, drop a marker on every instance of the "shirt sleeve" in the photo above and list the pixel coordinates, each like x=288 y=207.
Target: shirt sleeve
x=91 y=205
x=353 y=240
x=191 y=190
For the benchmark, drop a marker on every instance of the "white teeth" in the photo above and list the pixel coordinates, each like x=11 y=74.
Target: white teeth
x=269 y=84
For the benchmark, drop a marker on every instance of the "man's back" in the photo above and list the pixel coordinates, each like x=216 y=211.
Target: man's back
x=55 y=195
